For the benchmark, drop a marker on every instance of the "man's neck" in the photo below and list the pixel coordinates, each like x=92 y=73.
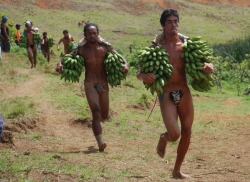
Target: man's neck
x=92 y=45
x=171 y=37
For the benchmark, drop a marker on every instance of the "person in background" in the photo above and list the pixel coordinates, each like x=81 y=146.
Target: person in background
x=5 y=39
x=45 y=46
x=65 y=40
x=18 y=34
x=31 y=45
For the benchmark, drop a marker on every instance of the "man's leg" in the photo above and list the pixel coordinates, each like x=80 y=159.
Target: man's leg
x=29 y=51
x=104 y=102
x=35 y=54
x=169 y=115
x=93 y=101
x=48 y=55
x=186 y=114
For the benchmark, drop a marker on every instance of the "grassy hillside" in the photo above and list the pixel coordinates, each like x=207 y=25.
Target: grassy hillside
x=130 y=22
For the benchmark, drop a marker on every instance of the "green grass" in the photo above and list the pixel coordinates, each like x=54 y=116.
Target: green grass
x=217 y=24
x=17 y=107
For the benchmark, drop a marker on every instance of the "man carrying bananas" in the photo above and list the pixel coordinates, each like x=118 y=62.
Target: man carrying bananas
x=45 y=46
x=67 y=38
x=31 y=44
x=93 y=49
x=176 y=100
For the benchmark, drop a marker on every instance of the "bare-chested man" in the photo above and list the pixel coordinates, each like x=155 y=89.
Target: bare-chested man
x=45 y=46
x=177 y=84
x=96 y=85
x=65 y=40
x=31 y=45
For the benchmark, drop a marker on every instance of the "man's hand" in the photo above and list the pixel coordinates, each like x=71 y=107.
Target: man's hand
x=147 y=78
x=125 y=68
x=208 y=68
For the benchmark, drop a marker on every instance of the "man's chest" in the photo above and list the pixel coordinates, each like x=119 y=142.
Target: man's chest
x=94 y=55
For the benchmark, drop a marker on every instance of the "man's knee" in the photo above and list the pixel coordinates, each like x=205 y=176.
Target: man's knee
x=173 y=136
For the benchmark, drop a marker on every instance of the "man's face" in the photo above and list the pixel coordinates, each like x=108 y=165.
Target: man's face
x=171 y=25
x=91 y=35
x=66 y=35
x=29 y=28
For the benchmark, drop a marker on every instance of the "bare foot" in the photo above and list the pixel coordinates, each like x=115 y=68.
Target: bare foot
x=102 y=147
x=180 y=175
x=161 y=147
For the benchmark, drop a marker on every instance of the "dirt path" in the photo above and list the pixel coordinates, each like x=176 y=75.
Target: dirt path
x=52 y=123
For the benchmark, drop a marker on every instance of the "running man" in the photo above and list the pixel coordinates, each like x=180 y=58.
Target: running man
x=65 y=40
x=93 y=49
x=31 y=45
x=45 y=46
x=177 y=84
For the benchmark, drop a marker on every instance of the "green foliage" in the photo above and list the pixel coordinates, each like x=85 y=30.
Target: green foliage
x=236 y=48
x=133 y=57
x=228 y=69
x=18 y=50
x=144 y=100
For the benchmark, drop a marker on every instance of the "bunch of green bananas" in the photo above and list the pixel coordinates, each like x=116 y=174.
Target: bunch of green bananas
x=72 y=46
x=51 y=41
x=72 y=67
x=113 y=66
x=23 y=41
x=155 y=60
x=37 y=38
x=195 y=53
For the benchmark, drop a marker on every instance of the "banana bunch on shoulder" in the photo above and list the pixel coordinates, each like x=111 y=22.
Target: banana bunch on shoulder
x=37 y=38
x=195 y=53
x=72 y=67
x=23 y=41
x=72 y=46
x=155 y=60
x=114 y=66
x=51 y=42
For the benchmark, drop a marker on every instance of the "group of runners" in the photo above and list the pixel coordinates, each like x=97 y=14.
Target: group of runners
x=32 y=47
x=93 y=49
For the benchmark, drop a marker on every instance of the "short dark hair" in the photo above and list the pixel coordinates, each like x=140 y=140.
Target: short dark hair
x=65 y=31
x=166 y=13
x=90 y=25
x=44 y=33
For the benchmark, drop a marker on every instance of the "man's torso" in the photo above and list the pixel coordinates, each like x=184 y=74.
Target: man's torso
x=30 y=39
x=178 y=76
x=94 y=58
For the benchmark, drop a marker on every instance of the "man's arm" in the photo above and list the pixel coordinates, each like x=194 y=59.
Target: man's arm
x=58 y=44
x=208 y=68
x=148 y=78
